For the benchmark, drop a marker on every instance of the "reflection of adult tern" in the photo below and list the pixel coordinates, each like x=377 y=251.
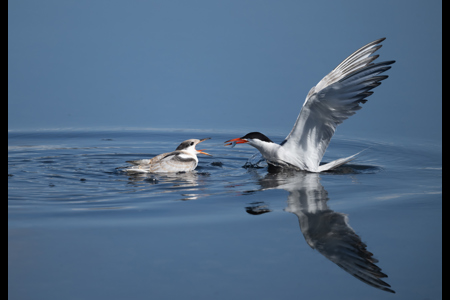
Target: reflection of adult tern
x=325 y=230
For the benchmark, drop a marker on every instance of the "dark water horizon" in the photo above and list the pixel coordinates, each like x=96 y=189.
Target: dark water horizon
x=79 y=229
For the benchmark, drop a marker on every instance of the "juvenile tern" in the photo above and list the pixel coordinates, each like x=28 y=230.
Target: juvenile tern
x=183 y=159
x=335 y=98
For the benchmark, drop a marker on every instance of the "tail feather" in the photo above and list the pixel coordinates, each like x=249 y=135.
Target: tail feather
x=338 y=162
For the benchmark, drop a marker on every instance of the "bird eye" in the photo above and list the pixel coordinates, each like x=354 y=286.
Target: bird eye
x=192 y=143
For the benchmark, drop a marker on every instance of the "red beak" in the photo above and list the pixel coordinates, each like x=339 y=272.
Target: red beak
x=237 y=141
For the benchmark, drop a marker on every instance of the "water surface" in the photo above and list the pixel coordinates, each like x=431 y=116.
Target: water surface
x=78 y=229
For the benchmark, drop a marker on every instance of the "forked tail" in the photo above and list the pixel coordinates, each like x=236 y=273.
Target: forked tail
x=338 y=162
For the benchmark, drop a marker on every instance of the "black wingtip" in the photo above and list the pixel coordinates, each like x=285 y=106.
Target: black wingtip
x=377 y=41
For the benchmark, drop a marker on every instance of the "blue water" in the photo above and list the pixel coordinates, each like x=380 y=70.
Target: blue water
x=78 y=229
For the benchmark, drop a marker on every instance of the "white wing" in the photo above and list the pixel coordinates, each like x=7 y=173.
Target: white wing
x=335 y=98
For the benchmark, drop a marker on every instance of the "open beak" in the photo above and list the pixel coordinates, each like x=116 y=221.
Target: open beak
x=203 y=140
x=235 y=141
x=201 y=151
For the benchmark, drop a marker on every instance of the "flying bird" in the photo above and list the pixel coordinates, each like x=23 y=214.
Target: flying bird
x=183 y=159
x=334 y=99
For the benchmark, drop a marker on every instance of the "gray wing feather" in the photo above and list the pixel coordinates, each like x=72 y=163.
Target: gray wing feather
x=334 y=99
x=166 y=162
x=139 y=161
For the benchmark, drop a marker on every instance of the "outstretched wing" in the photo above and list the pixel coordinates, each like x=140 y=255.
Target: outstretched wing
x=335 y=98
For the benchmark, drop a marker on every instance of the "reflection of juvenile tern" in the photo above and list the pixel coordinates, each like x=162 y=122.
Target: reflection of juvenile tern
x=183 y=159
x=325 y=230
x=335 y=98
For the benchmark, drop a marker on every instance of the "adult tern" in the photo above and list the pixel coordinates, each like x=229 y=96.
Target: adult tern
x=335 y=98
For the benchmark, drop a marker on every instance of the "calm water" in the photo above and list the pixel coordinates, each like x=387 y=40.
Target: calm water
x=77 y=229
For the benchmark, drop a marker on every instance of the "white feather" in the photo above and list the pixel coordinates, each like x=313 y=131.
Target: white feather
x=334 y=99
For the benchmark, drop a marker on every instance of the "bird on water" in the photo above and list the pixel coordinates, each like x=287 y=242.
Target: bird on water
x=334 y=99
x=183 y=159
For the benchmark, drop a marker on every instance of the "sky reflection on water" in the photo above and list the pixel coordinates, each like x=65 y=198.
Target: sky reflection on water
x=222 y=231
